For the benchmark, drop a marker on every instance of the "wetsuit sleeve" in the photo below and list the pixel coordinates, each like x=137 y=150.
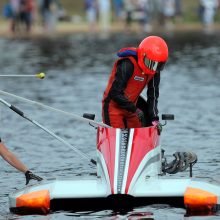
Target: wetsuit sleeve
x=124 y=72
x=152 y=97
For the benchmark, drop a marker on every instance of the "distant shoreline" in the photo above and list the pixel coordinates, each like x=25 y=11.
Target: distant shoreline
x=68 y=28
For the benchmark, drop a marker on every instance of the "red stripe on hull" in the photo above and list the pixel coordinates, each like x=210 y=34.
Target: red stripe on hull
x=144 y=140
x=106 y=144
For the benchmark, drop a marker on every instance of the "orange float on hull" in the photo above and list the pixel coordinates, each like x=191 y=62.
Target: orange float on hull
x=38 y=200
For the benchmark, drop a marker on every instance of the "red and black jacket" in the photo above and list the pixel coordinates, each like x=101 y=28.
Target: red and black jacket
x=126 y=83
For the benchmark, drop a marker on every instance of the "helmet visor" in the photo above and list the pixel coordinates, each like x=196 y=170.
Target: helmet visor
x=153 y=65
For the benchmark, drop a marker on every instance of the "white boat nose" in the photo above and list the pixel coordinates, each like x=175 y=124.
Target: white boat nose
x=132 y=155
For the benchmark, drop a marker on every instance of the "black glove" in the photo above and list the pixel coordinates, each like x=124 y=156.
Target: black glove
x=29 y=175
x=140 y=116
x=159 y=126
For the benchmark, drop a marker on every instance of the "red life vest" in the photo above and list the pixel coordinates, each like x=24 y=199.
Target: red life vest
x=135 y=84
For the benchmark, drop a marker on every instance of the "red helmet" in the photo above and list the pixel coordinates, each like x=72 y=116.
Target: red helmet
x=152 y=54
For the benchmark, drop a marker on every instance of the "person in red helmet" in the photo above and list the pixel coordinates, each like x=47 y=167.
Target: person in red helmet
x=135 y=69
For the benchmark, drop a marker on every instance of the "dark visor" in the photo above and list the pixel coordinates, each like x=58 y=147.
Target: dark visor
x=153 y=65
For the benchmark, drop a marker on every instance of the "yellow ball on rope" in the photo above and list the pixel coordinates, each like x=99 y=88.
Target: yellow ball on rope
x=40 y=75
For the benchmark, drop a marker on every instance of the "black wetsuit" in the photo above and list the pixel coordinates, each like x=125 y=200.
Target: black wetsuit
x=124 y=71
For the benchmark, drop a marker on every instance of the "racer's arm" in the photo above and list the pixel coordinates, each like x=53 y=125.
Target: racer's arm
x=152 y=97
x=124 y=72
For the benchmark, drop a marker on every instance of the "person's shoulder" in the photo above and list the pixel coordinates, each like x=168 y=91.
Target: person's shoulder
x=126 y=61
x=126 y=64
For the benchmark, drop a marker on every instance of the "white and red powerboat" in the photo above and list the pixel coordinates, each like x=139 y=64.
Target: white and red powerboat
x=130 y=172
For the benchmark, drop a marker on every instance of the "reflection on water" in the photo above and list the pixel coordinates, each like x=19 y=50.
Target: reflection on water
x=77 y=70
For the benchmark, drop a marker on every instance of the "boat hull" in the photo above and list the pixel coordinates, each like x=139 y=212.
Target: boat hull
x=128 y=175
x=85 y=195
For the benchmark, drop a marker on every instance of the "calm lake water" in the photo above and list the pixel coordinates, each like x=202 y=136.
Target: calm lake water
x=77 y=69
